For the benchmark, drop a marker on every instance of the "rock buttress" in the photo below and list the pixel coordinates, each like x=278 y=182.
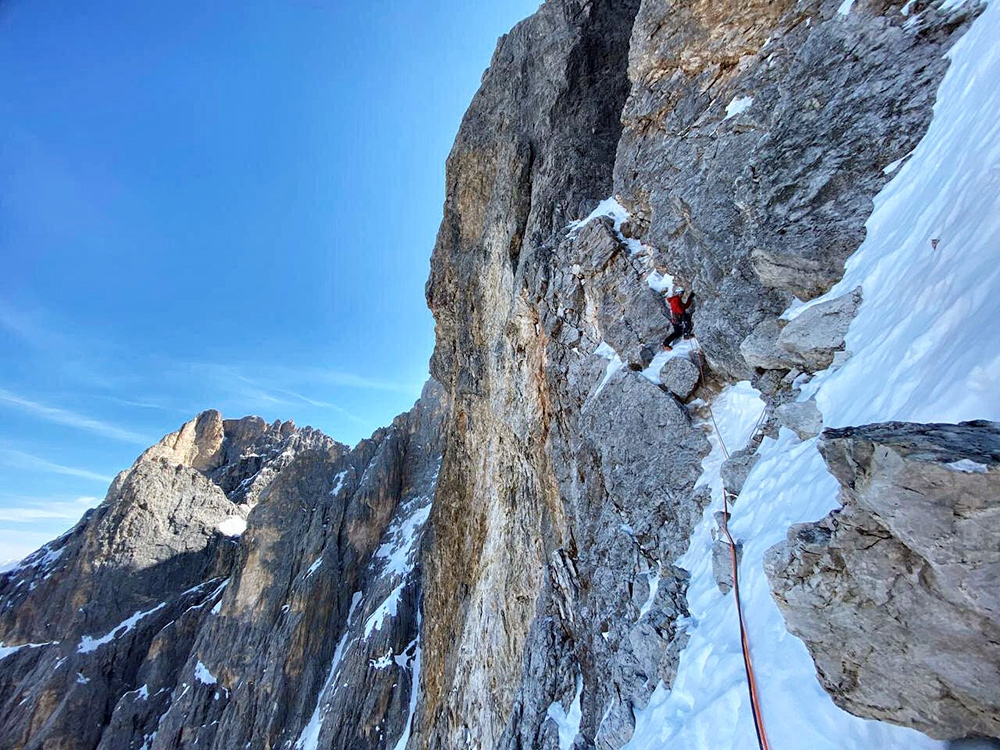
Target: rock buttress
x=535 y=149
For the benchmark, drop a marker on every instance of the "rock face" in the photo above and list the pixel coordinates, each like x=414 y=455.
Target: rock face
x=755 y=137
x=813 y=337
x=897 y=595
x=801 y=417
x=680 y=376
x=567 y=488
x=155 y=624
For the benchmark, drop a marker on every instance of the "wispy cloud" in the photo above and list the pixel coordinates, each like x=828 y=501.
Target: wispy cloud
x=23 y=325
x=291 y=379
x=21 y=460
x=34 y=510
x=271 y=385
x=71 y=419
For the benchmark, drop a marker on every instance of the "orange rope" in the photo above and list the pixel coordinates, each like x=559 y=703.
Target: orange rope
x=758 y=719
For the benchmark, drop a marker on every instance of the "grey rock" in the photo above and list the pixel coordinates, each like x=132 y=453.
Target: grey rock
x=549 y=448
x=163 y=632
x=815 y=335
x=772 y=386
x=752 y=209
x=722 y=563
x=646 y=357
x=680 y=376
x=565 y=490
x=627 y=314
x=760 y=348
x=896 y=595
x=839 y=358
x=801 y=417
x=736 y=469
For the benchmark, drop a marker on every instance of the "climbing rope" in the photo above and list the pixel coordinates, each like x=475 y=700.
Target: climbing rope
x=758 y=719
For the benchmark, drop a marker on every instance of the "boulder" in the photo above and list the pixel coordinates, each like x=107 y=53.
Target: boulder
x=722 y=564
x=760 y=348
x=801 y=417
x=897 y=595
x=816 y=334
x=734 y=472
x=680 y=376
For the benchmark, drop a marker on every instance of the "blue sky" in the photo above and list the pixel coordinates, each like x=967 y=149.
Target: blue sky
x=214 y=205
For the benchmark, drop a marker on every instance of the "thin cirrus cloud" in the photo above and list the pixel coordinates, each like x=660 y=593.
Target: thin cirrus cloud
x=71 y=419
x=33 y=510
x=291 y=379
x=20 y=460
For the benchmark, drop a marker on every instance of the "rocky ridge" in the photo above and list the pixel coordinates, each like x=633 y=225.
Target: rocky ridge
x=753 y=138
x=159 y=622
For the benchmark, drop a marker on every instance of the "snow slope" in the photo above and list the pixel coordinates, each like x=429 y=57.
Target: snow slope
x=924 y=349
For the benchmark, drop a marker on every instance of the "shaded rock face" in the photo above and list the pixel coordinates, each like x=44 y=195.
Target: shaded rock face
x=811 y=341
x=680 y=376
x=801 y=417
x=157 y=630
x=897 y=595
x=755 y=136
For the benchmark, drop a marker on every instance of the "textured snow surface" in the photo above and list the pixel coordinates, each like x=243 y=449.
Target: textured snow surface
x=315 y=566
x=233 y=526
x=6 y=651
x=925 y=340
x=607 y=207
x=309 y=738
x=399 y=552
x=615 y=363
x=924 y=349
x=738 y=106
x=968 y=466
x=386 y=609
x=414 y=666
x=202 y=674
x=338 y=483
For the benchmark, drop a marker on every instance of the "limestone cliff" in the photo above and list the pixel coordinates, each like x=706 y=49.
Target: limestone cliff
x=896 y=594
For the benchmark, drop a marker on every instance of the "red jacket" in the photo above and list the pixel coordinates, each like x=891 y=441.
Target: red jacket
x=677 y=307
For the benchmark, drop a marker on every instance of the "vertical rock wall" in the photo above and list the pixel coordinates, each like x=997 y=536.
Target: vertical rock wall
x=745 y=143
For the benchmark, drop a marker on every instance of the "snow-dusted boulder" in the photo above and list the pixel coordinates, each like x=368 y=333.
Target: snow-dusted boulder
x=897 y=595
x=818 y=332
x=760 y=348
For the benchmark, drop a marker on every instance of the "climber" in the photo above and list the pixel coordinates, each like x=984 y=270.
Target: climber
x=679 y=303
